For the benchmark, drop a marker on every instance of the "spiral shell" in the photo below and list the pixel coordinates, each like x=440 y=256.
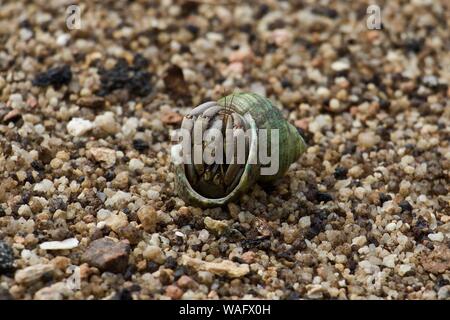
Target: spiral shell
x=215 y=185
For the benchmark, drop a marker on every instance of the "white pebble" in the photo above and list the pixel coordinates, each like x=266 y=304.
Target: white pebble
x=103 y=214
x=359 y=241
x=78 y=126
x=153 y=194
x=203 y=235
x=43 y=186
x=389 y=260
x=439 y=237
x=340 y=65
x=305 y=222
x=60 y=245
x=403 y=269
x=136 y=164
x=391 y=226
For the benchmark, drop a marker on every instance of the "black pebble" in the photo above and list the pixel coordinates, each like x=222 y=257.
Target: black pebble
x=37 y=165
x=323 y=196
x=6 y=258
x=152 y=266
x=340 y=173
x=406 y=206
x=384 y=197
x=325 y=11
x=171 y=263
x=123 y=76
x=57 y=77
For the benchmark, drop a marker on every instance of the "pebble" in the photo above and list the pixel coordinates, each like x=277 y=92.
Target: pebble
x=154 y=253
x=44 y=186
x=153 y=194
x=117 y=221
x=107 y=255
x=389 y=260
x=340 y=65
x=391 y=226
x=105 y=155
x=78 y=127
x=57 y=291
x=203 y=235
x=305 y=222
x=67 y=244
x=404 y=269
x=215 y=225
x=136 y=164
x=173 y=292
x=148 y=217
x=359 y=241
x=33 y=273
x=368 y=139
x=107 y=123
x=439 y=237
x=6 y=257
x=223 y=268
x=118 y=199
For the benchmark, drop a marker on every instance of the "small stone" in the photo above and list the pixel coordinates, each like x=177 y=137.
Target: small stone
x=215 y=225
x=24 y=211
x=154 y=253
x=248 y=257
x=136 y=164
x=57 y=77
x=131 y=233
x=234 y=210
x=170 y=117
x=107 y=123
x=203 y=235
x=174 y=292
x=439 y=237
x=153 y=194
x=118 y=200
x=359 y=241
x=33 y=273
x=103 y=214
x=391 y=227
x=305 y=222
x=44 y=186
x=91 y=102
x=185 y=281
x=60 y=245
x=78 y=126
x=107 y=255
x=368 y=139
x=340 y=65
x=117 y=221
x=63 y=39
x=389 y=260
x=404 y=269
x=148 y=217
x=226 y=267
x=438 y=261
x=56 y=291
x=121 y=180
x=6 y=257
x=108 y=156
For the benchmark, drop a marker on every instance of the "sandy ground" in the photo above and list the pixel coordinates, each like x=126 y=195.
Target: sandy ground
x=85 y=117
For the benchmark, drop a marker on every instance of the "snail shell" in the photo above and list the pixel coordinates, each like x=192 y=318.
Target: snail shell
x=208 y=185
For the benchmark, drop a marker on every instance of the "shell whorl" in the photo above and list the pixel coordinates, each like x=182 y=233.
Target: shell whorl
x=215 y=185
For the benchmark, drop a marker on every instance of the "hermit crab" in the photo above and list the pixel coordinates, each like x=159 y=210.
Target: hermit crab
x=224 y=147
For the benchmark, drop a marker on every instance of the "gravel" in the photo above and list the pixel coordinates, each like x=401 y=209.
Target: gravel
x=85 y=124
